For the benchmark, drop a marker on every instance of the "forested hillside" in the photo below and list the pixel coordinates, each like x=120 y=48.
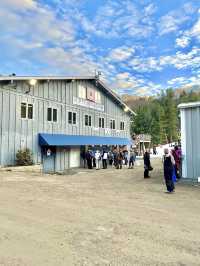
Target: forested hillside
x=159 y=116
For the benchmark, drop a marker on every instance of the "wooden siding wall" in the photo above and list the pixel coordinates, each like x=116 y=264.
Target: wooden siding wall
x=17 y=133
x=190 y=130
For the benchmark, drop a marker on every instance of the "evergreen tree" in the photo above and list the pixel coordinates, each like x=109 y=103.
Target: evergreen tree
x=158 y=116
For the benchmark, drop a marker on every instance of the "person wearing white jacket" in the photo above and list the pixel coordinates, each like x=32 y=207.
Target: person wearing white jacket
x=98 y=159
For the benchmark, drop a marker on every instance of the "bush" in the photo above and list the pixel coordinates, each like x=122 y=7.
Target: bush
x=24 y=157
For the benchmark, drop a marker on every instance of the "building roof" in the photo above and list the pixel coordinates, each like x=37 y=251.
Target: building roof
x=189 y=105
x=95 y=79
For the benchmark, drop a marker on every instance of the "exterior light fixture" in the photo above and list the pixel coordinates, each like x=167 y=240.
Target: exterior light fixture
x=32 y=82
x=126 y=109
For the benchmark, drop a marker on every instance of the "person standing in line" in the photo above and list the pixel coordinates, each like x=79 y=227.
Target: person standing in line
x=177 y=157
x=93 y=158
x=110 y=158
x=104 y=159
x=132 y=159
x=168 y=167
x=125 y=155
x=147 y=164
x=88 y=157
x=98 y=159
x=83 y=157
x=115 y=157
x=120 y=159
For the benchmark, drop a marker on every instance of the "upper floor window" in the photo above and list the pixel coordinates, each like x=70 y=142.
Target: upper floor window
x=122 y=125
x=97 y=97
x=101 y=122
x=71 y=118
x=51 y=115
x=112 y=124
x=82 y=92
x=88 y=120
x=27 y=110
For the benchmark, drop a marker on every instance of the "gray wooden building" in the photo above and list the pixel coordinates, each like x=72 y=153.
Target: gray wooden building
x=190 y=136
x=56 y=116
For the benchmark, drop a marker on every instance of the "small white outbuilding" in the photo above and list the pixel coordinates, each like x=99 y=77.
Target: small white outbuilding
x=190 y=139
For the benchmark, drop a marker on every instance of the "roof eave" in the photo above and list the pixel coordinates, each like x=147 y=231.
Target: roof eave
x=117 y=98
x=5 y=78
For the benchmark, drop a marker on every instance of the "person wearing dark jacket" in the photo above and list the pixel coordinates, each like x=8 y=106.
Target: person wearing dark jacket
x=147 y=164
x=88 y=157
x=168 y=165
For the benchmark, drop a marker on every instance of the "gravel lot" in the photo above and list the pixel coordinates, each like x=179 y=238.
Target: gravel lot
x=106 y=217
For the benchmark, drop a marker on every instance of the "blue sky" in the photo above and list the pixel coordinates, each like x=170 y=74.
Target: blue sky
x=141 y=47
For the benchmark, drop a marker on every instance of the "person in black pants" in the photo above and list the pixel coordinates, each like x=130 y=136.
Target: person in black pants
x=168 y=165
x=147 y=164
x=104 y=159
x=89 y=159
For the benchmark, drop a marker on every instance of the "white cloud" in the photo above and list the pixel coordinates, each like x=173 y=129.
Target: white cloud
x=190 y=8
x=178 y=60
x=150 y=9
x=183 y=41
x=19 y=4
x=188 y=35
x=36 y=34
x=172 y=21
x=148 y=64
x=125 y=82
x=178 y=80
x=41 y=25
x=195 y=31
x=185 y=82
x=121 y=53
x=119 y=18
x=183 y=60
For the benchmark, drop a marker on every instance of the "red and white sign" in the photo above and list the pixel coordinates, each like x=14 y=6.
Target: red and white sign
x=91 y=94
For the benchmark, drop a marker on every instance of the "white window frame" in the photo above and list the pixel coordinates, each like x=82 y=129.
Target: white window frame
x=52 y=121
x=122 y=125
x=111 y=124
x=73 y=124
x=27 y=105
x=88 y=120
x=102 y=119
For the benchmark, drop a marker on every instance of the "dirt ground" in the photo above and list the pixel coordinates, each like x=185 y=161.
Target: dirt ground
x=107 y=217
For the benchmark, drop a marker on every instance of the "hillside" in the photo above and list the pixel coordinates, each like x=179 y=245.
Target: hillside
x=183 y=94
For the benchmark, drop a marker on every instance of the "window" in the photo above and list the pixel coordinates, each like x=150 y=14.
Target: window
x=101 y=122
x=112 y=124
x=97 y=97
x=54 y=115
x=51 y=115
x=82 y=92
x=26 y=110
x=74 y=118
x=122 y=126
x=88 y=120
x=30 y=111
x=23 y=110
x=71 y=118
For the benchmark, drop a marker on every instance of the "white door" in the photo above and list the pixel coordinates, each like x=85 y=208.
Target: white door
x=75 y=157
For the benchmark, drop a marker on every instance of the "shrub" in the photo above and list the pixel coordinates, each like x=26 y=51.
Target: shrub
x=24 y=157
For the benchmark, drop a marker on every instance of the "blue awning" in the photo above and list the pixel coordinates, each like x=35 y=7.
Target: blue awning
x=77 y=140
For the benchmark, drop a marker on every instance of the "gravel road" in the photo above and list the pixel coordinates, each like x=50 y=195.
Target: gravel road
x=107 y=217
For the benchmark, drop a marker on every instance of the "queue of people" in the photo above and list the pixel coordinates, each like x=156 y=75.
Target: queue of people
x=119 y=158
x=116 y=158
